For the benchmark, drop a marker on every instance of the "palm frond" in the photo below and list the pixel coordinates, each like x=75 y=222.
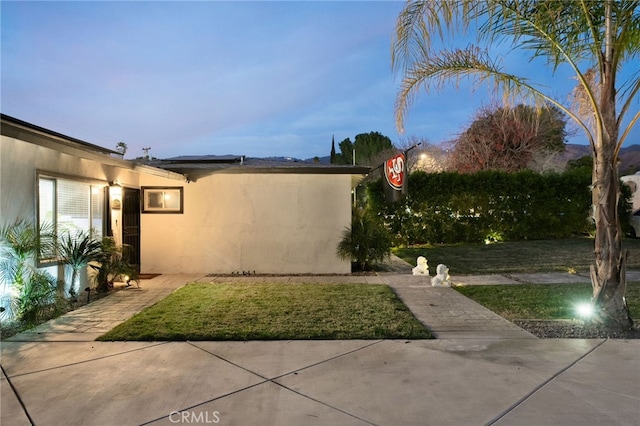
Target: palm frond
x=79 y=249
x=568 y=33
x=628 y=94
x=626 y=132
x=420 y=22
x=475 y=64
x=19 y=240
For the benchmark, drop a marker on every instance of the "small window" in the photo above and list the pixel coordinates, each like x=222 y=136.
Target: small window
x=162 y=199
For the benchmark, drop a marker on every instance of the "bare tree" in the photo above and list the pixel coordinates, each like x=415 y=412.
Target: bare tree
x=547 y=161
x=423 y=155
x=502 y=138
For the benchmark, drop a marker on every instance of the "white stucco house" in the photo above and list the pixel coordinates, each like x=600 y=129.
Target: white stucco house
x=211 y=214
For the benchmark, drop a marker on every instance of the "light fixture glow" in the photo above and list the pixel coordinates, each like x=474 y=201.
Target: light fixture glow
x=584 y=310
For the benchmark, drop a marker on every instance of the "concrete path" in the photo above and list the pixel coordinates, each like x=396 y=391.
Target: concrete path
x=481 y=370
x=100 y=316
x=450 y=315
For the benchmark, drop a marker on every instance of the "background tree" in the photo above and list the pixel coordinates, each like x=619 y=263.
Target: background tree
x=122 y=147
x=545 y=161
x=505 y=138
x=345 y=156
x=368 y=148
x=332 y=158
x=424 y=156
x=585 y=162
x=595 y=39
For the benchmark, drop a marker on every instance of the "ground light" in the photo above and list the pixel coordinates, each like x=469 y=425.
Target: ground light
x=584 y=310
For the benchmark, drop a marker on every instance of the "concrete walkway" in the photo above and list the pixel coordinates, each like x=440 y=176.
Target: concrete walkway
x=480 y=370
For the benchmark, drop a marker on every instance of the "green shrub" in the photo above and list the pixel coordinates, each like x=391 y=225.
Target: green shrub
x=37 y=301
x=27 y=292
x=366 y=242
x=452 y=207
x=112 y=263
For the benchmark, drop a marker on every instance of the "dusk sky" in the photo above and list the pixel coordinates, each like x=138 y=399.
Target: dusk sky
x=246 y=78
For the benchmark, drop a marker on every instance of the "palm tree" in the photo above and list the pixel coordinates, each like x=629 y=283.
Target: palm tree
x=366 y=242
x=122 y=148
x=78 y=250
x=594 y=38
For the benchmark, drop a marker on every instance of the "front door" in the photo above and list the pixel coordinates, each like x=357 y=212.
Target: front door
x=131 y=224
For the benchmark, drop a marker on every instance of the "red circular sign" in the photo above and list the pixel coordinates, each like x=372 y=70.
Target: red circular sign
x=394 y=171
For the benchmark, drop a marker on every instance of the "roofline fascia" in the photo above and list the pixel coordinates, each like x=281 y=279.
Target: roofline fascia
x=58 y=136
x=26 y=132
x=347 y=170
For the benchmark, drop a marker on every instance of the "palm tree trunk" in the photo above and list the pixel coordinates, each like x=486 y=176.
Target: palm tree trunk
x=608 y=276
x=60 y=287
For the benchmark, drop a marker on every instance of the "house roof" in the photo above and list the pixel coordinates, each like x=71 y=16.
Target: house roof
x=13 y=127
x=190 y=166
x=197 y=166
x=30 y=133
x=203 y=159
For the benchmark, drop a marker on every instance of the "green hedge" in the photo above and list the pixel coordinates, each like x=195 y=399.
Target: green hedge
x=453 y=207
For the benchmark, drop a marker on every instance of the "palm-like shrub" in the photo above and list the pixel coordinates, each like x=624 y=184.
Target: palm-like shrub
x=78 y=250
x=37 y=300
x=26 y=291
x=366 y=242
x=113 y=262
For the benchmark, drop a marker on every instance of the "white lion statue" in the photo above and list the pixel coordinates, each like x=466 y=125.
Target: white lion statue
x=442 y=278
x=422 y=268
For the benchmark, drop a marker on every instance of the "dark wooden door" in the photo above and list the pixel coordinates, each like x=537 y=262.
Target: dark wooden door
x=131 y=224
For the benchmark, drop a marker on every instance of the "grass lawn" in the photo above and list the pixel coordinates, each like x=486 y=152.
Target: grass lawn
x=541 y=301
x=274 y=312
x=569 y=254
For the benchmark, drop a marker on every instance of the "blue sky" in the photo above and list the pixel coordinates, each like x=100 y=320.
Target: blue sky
x=249 y=78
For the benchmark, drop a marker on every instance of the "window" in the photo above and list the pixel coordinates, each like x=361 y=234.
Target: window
x=70 y=205
x=162 y=199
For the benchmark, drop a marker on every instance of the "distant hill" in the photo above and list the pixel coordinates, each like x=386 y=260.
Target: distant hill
x=630 y=159
x=323 y=160
x=575 y=151
x=629 y=156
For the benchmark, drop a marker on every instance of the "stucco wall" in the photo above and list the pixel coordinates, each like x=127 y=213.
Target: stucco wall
x=267 y=223
x=17 y=176
x=634 y=183
x=262 y=223
x=19 y=162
